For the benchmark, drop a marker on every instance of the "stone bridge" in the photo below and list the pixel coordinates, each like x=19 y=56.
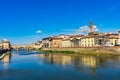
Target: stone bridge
x=25 y=46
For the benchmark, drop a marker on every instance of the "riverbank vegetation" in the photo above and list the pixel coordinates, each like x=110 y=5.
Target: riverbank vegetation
x=83 y=52
x=55 y=51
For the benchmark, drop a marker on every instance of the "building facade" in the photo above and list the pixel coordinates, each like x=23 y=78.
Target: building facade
x=56 y=42
x=118 y=41
x=5 y=44
x=87 y=41
x=66 y=43
x=46 y=42
x=93 y=39
x=37 y=45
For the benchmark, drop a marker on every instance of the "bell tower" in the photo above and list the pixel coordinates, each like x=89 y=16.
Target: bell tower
x=91 y=32
x=91 y=27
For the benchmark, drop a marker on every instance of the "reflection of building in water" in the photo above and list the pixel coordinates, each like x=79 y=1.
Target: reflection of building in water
x=6 y=60
x=79 y=62
x=42 y=56
x=89 y=61
x=62 y=59
x=84 y=62
x=56 y=58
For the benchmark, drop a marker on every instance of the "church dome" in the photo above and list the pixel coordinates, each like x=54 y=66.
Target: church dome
x=4 y=40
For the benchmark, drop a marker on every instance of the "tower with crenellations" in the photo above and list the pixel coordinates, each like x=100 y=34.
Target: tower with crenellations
x=91 y=32
x=91 y=27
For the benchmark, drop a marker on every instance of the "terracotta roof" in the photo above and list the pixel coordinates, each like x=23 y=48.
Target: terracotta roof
x=72 y=36
x=87 y=37
x=111 y=34
x=65 y=39
x=113 y=38
x=56 y=38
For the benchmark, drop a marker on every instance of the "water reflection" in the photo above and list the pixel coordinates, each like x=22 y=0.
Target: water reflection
x=56 y=59
x=23 y=51
x=6 y=60
x=79 y=62
x=58 y=67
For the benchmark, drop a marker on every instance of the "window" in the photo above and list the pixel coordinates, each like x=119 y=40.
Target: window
x=88 y=45
x=92 y=44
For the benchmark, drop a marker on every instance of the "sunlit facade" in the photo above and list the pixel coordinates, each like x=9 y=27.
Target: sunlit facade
x=87 y=42
x=5 y=44
x=66 y=43
x=56 y=42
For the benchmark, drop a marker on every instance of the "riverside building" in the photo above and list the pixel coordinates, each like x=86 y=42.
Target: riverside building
x=5 y=44
x=93 y=39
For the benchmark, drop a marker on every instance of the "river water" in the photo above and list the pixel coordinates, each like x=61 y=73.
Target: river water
x=25 y=65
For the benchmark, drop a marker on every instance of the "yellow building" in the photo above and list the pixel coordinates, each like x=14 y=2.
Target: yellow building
x=66 y=43
x=113 y=40
x=93 y=39
x=56 y=42
x=71 y=41
x=87 y=41
x=5 y=44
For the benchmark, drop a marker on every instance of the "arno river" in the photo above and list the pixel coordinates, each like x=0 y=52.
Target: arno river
x=24 y=65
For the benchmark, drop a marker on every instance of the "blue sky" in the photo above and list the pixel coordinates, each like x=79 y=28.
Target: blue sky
x=21 y=19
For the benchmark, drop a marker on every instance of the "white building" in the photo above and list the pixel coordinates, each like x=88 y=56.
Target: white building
x=118 y=42
x=5 y=44
x=66 y=43
x=87 y=41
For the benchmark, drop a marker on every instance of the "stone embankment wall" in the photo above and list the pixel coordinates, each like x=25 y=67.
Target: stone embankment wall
x=113 y=50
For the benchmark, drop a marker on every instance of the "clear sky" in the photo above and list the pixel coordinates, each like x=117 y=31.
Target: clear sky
x=25 y=21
